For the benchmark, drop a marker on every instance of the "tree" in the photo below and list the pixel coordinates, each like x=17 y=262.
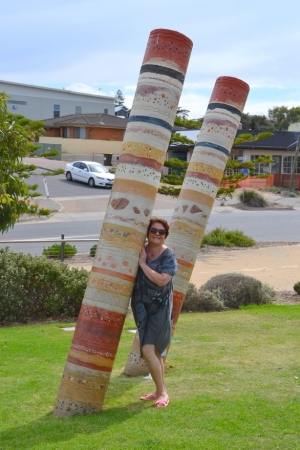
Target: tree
x=119 y=98
x=256 y=122
x=282 y=117
x=17 y=136
x=177 y=137
x=183 y=113
x=182 y=120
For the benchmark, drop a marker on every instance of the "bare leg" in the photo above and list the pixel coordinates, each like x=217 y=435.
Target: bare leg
x=162 y=366
x=156 y=368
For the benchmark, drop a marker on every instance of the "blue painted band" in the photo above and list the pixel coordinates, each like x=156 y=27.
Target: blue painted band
x=160 y=70
x=152 y=120
x=229 y=108
x=214 y=146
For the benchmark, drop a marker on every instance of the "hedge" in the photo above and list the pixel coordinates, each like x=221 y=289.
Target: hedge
x=35 y=288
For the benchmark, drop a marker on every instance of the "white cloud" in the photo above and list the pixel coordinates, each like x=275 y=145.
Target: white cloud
x=93 y=45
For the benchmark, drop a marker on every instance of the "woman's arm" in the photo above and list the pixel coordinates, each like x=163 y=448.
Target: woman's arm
x=161 y=279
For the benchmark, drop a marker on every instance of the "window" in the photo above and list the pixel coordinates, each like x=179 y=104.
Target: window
x=16 y=102
x=264 y=168
x=77 y=109
x=233 y=171
x=56 y=111
x=287 y=165
x=79 y=133
x=66 y=132
x=83 y=166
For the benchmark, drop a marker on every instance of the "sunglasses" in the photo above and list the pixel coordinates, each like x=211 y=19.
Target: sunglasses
x=156 y=230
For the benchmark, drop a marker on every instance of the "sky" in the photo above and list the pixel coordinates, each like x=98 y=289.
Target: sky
x=97 y=46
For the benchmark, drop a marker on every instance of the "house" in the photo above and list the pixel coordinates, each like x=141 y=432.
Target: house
x=281 y=146
x=122 y=111
x=97 y=137
x=39 y=103
x=180 y=150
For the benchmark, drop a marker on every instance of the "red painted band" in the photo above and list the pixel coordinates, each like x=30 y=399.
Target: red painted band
x=169 y=45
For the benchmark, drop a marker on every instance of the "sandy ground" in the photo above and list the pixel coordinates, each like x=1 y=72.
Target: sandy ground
x=277 y=266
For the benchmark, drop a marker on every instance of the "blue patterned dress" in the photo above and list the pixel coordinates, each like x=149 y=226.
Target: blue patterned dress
x=152 y=304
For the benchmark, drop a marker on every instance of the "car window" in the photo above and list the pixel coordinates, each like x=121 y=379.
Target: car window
x=83 y=166
x=97 y=168
x=76 y=164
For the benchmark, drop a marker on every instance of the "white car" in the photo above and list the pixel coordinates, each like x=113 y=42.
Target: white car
x=90 y=172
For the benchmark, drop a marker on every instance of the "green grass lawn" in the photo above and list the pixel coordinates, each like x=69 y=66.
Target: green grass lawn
x=233 y=379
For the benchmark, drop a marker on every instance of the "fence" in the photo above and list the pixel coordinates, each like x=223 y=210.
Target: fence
x=59 y=251
x=283 y=180
x=254 y=182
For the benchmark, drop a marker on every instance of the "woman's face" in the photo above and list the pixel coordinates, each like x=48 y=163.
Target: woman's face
x=157 y=233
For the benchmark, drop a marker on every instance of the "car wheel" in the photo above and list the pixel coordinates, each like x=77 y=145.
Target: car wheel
x=91 y=182
x=69 y=176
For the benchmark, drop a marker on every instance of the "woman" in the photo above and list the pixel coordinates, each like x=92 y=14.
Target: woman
x=152 y=304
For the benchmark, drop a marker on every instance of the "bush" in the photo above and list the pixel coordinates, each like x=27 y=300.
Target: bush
x=282 y=191
x=297 y=288
x=93 y=250
x=44 y=212
x=50 y=154
x=52 y=173
x=55 y=251
x=34 y=288
x=221 y=237
x=203 y=301
x=253 y=198
x=239 y=290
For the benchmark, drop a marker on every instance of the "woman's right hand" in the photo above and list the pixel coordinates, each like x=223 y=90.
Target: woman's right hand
x=142 y=256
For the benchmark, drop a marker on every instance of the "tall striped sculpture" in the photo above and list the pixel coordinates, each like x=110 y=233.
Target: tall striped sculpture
x=104 y=307
x=198 y=192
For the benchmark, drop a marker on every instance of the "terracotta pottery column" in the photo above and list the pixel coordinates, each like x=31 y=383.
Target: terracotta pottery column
x=199 y=190
x=104 y=307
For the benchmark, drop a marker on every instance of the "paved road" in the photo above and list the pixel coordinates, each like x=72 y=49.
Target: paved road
x=261 y=226
x=58 y=186
x=82 y=209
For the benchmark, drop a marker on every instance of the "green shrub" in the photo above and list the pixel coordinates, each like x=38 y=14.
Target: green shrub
x=44 y=212
x=50 y=154
x=239 y=290
x=282 y=191
x=221 y=237
x=253 y=198
x=169 y=190
x=55 y=251
x=93 y=250
x=203 y=301
x=51 y=173
x=34 y=288
x=297 y=288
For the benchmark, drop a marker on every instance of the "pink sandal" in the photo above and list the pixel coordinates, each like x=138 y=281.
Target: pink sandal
x=162 y=403
x=151 y=396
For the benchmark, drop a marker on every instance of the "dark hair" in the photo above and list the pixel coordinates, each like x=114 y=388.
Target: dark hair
x=163 y=222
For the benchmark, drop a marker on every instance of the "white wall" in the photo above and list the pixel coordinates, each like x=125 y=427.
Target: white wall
x=37 y=103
